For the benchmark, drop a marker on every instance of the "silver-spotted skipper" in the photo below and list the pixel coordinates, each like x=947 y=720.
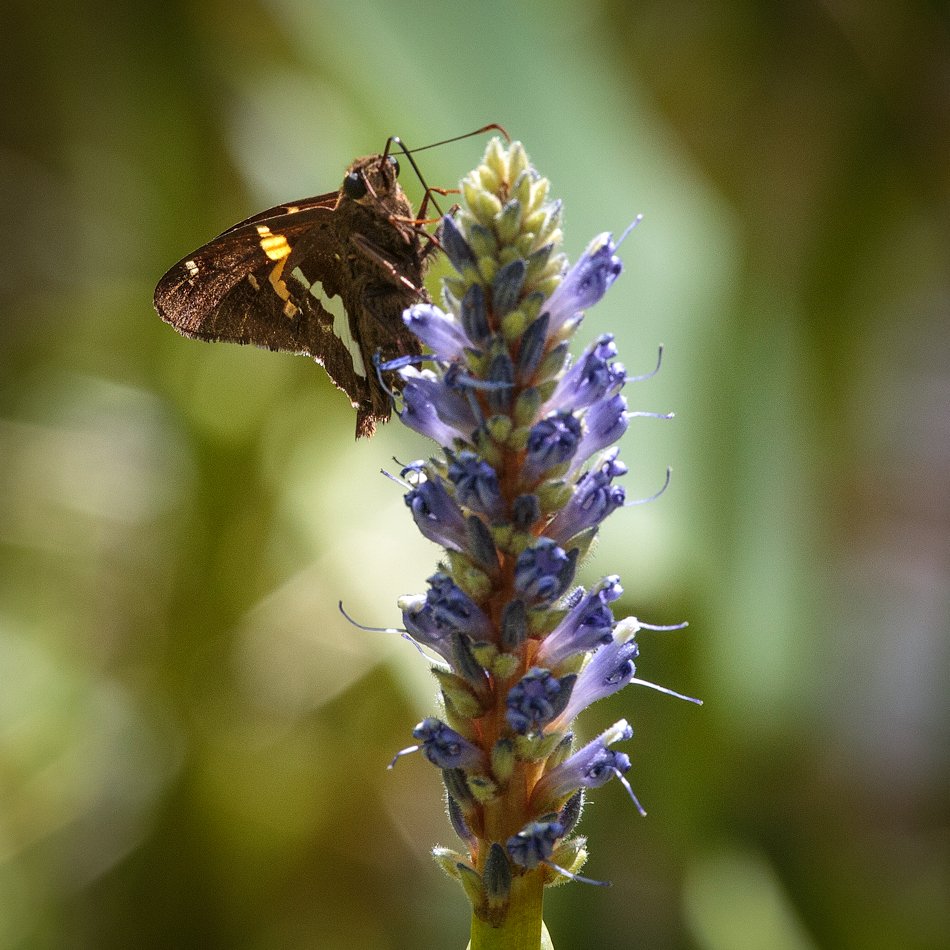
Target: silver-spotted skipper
x=327 y=277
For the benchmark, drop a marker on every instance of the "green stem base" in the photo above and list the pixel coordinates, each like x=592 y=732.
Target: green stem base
x=523 y=928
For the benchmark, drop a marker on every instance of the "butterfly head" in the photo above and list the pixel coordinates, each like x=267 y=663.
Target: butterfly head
x=371 y=179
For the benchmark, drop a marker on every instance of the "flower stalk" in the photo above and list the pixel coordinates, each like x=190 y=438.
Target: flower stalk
x=524 y=477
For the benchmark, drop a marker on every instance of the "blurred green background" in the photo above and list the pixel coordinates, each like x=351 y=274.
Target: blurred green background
x=193 y=742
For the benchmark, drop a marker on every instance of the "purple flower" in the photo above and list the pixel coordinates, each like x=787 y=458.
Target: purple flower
x=585 y=283
x=476 y=484
x=506 y=287
x=473 y=314
x=604 y=423
x=419 y=620
x=591 y=378
x=433 y=409
x=607 y=672
x=534 y=844
x=456 y=247
x=532 y=348
x=444 y=747
x=593 y=499
x=453 y=609
x=435 y=511
x=543 y=572
x=590 y=767
x=551 y=442
x=501 y=377
x=588 y=625
x=536 y=699
x=440 y=332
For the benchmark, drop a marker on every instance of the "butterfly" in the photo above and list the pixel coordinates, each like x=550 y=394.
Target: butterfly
x=327 y=277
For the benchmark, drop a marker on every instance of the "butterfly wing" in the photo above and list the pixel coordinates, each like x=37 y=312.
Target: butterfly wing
x=237 y=289
x=291 y=278
x=285 y=212
x=233 y=288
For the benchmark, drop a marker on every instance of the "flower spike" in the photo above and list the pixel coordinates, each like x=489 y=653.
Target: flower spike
x=525 y=473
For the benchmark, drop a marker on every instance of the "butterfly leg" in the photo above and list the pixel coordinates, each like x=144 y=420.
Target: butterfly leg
x=384 y=262
x=432 y=242
x=427 y=197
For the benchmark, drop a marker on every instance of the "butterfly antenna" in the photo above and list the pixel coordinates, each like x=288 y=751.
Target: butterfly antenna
x=492 y=127
x=403 y=149
x=395 y=139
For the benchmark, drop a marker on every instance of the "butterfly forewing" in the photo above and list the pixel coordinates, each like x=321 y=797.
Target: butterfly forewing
x=327 y=277
x=291 y=209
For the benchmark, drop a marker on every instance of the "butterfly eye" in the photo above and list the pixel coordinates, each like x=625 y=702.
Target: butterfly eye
x=354 y=186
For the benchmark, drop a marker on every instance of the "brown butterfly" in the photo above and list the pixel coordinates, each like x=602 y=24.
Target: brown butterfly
x=328 y=277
